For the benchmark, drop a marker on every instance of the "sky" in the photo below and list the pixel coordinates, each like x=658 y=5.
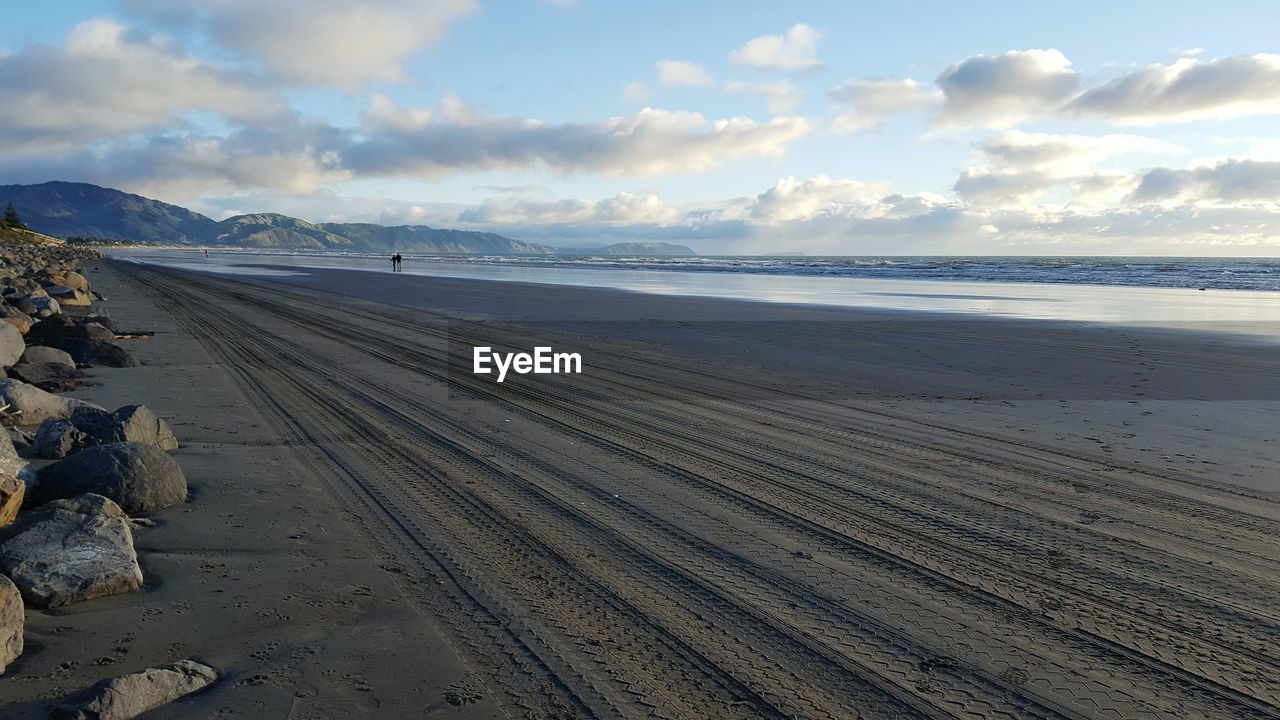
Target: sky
x=994 y=128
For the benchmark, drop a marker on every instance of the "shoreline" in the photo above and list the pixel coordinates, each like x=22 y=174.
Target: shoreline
x=1111 y=304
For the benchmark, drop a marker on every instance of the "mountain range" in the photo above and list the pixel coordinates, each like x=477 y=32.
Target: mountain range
x=89 y=212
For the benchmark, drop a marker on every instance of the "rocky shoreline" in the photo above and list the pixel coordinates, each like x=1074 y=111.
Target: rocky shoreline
x=76 y=479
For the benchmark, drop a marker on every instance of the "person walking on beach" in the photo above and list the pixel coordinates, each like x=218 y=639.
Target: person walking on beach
x=395 y=262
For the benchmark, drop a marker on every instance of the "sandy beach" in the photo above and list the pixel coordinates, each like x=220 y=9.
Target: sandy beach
x=736 y=510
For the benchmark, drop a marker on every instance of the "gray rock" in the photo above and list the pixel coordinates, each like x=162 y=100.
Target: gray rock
x=16 y=318
x=56 y=439
x=11 y=344
x=35 y=405
x=129 y=696
x=40 y=355
x=141 y=478
x=20 y=438
x=12 y=619
x=131 y=423
x=44 y=375
x=43 y=307
x=99 y=352
x=86 y=504
x=13 y=486
x=68 y=296
x=57 y=557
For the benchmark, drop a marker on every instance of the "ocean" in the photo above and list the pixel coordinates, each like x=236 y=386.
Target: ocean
x=1238 y=294
x=1210 y=273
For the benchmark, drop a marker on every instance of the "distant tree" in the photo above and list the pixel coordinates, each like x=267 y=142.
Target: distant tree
x=12 y=220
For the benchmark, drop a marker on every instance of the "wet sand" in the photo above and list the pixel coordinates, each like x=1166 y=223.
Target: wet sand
x=737 y=510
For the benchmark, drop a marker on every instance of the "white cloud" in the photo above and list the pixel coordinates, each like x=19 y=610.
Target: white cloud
x=320 y=42
x=1067 y=154
x=105 y=82
x=1003 y=89
x=679 y=72
x=1229 y=181
x=790 y=199
x=781 y=95
x=293 y=157
x=623 y=208
x=1015 y=167
x=867 y=102
x=797 y=50
x=1188 y=89
x=424 y=142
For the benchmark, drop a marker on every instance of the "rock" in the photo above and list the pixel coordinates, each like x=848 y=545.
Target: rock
x=140 y=478
x=129 y=696
x=86 y=504
x=12 y=619
x=10 y=464
x=45 y=376
x=56 y=331
x=12 y=493
x=57 y=557
x=34 y=404
x=56 y=439
x=16 y=318
x=21 y=439
x=97 y=352
x=40 y=355
x=69 y=296
x=101 y=319
x=75 y=281
x=14 y=472
x=131 y=423
x=11 y=344
x=43 y=307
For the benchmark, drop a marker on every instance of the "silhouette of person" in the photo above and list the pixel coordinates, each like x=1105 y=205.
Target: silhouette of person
x=395 y=262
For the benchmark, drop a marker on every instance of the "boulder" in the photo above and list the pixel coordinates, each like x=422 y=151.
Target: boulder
x=41 y=355
x=128 y=696
x=11 y=344
x=56 y=439
x=57 y=330
x=97 y=352
x=75 y=281
x=86 y=504
x=140 y=478
x=101 y=319
x=12 y=619
x=69 y=296
x=21 y=303
x=58 y=556
x=16 y=318
x=43 y=307
x=131 y=423
x=29 y=405
x=21 y=439
x=11 y=465
x=46 y=376
x=12 y=493
x=14 y=472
